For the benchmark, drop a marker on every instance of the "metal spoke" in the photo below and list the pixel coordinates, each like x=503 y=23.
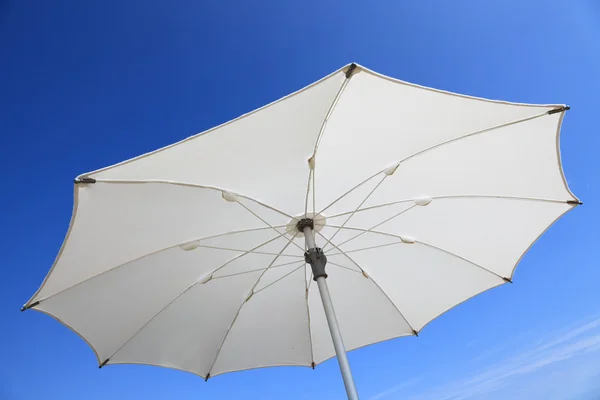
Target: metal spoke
x=312 y=159
x=177 y=183
x=341 y=266
x=242 y=306
x=270 y=226
x=377 y=285
x=357 y=208
x=167 y=248
x=191 y=286
x=373 y=227
x=277 y=280
x=257 y=270
x=458 y=196
x=397 y=163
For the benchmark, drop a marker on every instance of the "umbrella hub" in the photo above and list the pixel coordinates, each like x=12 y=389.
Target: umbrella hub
x=305 y=223
x=318 y=222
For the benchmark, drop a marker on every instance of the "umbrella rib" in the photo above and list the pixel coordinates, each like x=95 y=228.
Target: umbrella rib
x=341 y=266
x=277 y=280
x=194 y=284
x=355 y=211
x=241 y=251
x=271 y=226
x=397 y=163
x=378 y=287
x=310 y=176
x=318 y=141
x=371 y=229
x=457 y=196
x=256 y=270
x=314 y=193
x=306 y=296
x=242 y=306
x=417 y=241
x=158 y=251
x=363 y=249
x=187 y=184
x=464 y=259
x=328 y=115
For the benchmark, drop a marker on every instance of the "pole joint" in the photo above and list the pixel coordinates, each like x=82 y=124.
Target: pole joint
x=317 y=260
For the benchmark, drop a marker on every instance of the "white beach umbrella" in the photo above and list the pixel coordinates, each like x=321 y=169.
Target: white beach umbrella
x=193 y=256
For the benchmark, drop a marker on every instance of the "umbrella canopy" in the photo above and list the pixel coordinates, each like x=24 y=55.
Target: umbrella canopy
x=191 y=257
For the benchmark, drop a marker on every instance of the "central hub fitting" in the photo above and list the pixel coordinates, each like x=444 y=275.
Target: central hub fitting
x=313 y=256
x=305 y=223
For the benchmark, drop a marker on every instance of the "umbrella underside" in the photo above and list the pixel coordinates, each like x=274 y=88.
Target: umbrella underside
x=189 y=257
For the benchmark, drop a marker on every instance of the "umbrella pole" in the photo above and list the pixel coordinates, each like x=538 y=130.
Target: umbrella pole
x=317 y=261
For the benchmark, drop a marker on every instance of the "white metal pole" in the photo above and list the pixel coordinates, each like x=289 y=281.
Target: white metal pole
x=334 y=328
x=309 y=238
x=336 y=336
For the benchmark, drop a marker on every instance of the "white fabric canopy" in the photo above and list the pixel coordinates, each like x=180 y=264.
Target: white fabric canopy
x=188 y=257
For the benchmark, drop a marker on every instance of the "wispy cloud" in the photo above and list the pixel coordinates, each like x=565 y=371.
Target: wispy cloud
x=393 y=390
x=571 y=334
x=553 y=349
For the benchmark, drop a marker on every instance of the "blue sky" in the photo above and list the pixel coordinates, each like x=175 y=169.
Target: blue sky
x=87 y=84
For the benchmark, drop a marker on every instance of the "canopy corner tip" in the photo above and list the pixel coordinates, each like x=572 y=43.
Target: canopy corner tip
x=28 y=306
x=559 y=109
x=103 y=363
x=84 y=180
x=352 y=68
